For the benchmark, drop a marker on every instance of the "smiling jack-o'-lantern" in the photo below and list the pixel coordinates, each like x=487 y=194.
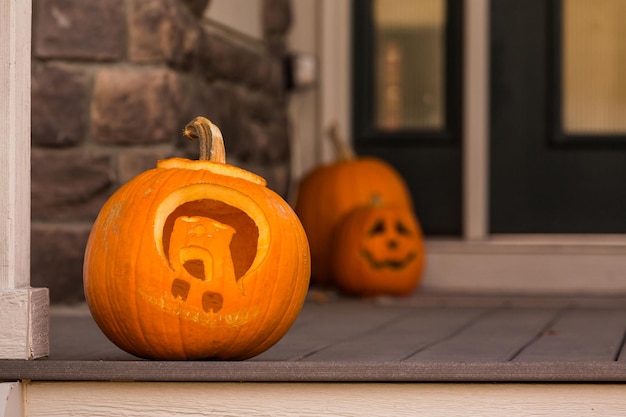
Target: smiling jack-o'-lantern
x=378 y=250
x=196 y=259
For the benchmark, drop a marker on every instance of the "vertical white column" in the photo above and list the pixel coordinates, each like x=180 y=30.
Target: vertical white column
x=335 y=55
x=304 y=104
x=23 y=310
x=476 y=120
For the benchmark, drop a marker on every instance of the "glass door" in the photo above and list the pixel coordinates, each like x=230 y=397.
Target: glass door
x=558 y=116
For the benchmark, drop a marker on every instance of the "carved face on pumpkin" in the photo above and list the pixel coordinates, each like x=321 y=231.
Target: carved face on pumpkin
x=390 y=243
x=199 y=252
x=208 y=246
x=378 y=250
x=196 y=260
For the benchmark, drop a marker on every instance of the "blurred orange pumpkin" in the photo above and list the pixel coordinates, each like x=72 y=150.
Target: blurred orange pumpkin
x=327 y=193
x=196 y=259
x=378 y=250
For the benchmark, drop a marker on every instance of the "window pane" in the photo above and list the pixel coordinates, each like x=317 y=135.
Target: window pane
x=594 y=66
x=409 y=58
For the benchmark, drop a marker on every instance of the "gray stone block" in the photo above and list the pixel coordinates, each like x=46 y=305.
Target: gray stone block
x=85 y=29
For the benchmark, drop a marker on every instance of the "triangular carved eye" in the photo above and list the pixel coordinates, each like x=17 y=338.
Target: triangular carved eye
x=402 y=229
x=378 y=228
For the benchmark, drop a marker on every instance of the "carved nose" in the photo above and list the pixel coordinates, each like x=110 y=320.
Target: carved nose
x=392 y=244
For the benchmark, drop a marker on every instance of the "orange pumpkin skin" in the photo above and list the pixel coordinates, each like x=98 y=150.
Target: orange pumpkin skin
x=329 y=192
x=379 y=250
x=196 y=260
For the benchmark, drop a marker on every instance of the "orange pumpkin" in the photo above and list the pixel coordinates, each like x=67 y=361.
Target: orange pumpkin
x=329 y=192
x=378 y=250
x=196 y=259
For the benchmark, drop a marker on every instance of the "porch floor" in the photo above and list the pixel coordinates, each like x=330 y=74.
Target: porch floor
x=424 y=338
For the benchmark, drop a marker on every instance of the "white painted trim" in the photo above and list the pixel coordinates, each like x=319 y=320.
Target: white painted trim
x=335 y=67
x=11 y=401
x=24 y=318
x=525 y=272
x=279 y=399
x=476 y=120
x=528 y=265
x=304 y=103
x=23 y=310
x=15 y=16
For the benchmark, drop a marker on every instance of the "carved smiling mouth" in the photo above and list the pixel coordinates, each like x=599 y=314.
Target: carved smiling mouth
x=388 y=263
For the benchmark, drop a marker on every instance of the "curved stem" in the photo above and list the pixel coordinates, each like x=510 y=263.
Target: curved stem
x=342 y=149
x=210 y=137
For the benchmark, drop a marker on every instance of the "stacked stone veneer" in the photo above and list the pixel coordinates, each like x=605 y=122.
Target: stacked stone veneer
x=113 y=84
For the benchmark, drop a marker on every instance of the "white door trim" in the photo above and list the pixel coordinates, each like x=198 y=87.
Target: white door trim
x=476 y=120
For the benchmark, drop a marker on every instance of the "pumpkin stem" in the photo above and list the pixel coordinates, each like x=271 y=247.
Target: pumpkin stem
x=210 y=137
x=342 y=148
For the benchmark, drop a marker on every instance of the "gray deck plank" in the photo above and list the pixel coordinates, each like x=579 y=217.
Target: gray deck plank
x=580 y=335
x=303 y=371
x=325 y=325
x=496 y=337
x=77 y=337
x=402 y=337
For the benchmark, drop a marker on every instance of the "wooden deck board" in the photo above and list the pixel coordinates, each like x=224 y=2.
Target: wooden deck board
x=496 y=337
x=327 y=325
x=401 y=338
x=78 y=338
x=426 y=339
x=580 y=335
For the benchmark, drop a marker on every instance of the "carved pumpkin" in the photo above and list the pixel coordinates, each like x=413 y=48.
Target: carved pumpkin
x=329 y=192
x=378 y=250
x=196 y=259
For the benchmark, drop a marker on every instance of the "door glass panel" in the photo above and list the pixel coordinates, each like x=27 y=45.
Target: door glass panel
x=594 y=67
x=409 y=70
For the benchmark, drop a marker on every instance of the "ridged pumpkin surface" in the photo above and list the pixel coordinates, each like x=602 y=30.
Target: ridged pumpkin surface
x=196 y=260
x=330 y=192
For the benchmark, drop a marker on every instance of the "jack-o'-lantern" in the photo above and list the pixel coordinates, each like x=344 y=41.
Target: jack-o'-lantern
x=196 y=259
x=378 y=250
x=329 y=192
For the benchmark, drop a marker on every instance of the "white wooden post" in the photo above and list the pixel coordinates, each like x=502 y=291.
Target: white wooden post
x=24 y=311
x=476 y=121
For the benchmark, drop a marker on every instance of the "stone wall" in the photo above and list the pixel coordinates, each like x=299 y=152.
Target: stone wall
x=113 y=84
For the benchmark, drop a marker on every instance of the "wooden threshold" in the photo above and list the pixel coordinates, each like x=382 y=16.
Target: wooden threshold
x=425 y=338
